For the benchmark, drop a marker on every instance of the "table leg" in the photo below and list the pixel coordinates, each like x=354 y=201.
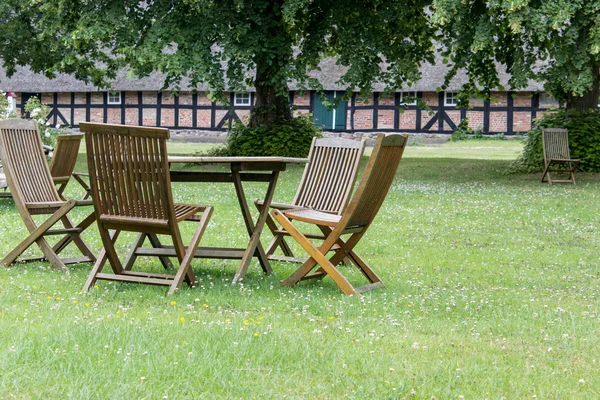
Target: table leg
x=254 y=246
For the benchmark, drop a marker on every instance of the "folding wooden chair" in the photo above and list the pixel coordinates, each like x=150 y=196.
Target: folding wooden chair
x=34 y=192
x=557 y=158
x=131 y=189
x=325 y=186
x=355 y=220
x=63 y=163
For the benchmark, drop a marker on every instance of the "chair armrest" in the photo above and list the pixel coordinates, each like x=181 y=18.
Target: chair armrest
x=84 y=203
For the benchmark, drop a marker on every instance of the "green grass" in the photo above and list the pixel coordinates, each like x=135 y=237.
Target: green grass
x=492 y=292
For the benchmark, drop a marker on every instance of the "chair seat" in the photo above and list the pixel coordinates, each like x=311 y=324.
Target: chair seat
x=313 y=216
x=185 y=211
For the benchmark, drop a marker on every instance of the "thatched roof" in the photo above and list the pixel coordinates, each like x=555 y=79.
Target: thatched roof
x=27 y=81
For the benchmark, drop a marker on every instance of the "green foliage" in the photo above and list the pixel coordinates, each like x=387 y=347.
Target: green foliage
x=563 y=34
x=39 y=113
x=462 y=131
x=3 y=105
x=260 y=43
x=290 y=139
x=584 y=141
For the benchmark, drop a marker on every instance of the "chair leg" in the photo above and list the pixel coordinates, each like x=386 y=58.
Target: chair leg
x=100 y=262
x=84 y=185
x=36 y=235
x=278 y=240
x=81 y=245
x=316 y=257
x=184 y=266
x=546 y=172
x=131 y=257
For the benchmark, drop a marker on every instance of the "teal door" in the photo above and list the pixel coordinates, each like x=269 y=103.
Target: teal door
x=327 y=117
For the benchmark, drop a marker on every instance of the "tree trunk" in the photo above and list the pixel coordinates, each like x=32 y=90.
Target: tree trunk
x=589 y=100
x=272 y=105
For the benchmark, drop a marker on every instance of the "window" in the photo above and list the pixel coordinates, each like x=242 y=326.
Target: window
x=450 y=99
x=408 y=98
x=242 y=99
x=114 y=98
x=547 y=100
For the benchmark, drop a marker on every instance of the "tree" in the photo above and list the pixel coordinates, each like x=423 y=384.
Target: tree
x=556 y=42
x=227 y=44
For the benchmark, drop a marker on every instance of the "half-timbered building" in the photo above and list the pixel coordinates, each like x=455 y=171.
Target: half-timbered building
x=142 y=102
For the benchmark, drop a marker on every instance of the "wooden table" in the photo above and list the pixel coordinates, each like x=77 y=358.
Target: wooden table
x=249 y=169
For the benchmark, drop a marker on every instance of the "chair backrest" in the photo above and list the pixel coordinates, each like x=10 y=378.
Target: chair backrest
x=24 y=162
x=65 y=156
x=556 y=144
x=129 y=176
x=330 y=174
x=375 y=182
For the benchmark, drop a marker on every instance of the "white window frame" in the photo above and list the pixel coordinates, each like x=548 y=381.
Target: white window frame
x=242 y=99
x=451 y=98
x=12 y=105
x=412 y=95
x=113 y=100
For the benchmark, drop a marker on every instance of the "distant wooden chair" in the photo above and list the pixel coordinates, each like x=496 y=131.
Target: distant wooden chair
x=557 y=159
x=131 y=190
x=355 y=220
x=34 y=192
x=325 y=186
x=63 y=163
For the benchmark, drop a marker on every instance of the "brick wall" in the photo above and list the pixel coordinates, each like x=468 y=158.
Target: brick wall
x=92 y=106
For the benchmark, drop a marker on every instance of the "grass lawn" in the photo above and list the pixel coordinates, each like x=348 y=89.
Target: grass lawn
x=493 y=285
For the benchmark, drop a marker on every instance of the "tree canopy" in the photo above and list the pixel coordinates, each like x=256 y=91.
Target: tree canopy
x=227 y=44
x=556 y=42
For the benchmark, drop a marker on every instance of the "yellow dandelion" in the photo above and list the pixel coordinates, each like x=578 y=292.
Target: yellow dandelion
x=245 y=322
x=95 y=286
x=49 y=297
x=74 y=301
x=330 y=318
x=204 y=305
x=255 y=334
x=87 y=304
x=227 y=320
x=118 y=316
x=58 y=299
x=34 y=287
x=181 y=319
x=260 y=318
x=173 y=303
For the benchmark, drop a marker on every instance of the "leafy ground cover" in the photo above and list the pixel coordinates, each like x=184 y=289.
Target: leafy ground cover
x=492 y=292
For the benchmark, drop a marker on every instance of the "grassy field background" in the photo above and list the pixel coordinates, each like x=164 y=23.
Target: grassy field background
x=492 y=293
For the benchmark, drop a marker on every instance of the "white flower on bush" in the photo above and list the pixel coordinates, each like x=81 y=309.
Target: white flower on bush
x=34 y=113
x=51 y=154
x=47 y=134
x=48 y=123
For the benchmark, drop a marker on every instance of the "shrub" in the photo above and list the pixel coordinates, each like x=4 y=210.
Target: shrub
x=462 y=131
x=584 y=141
x=292 y=139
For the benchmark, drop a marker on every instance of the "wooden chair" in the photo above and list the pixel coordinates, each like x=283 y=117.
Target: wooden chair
x=63 y=163
x=355 y=220
x=131 y=190
x=325 y=186
x=557 y=158
x=34 y=193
